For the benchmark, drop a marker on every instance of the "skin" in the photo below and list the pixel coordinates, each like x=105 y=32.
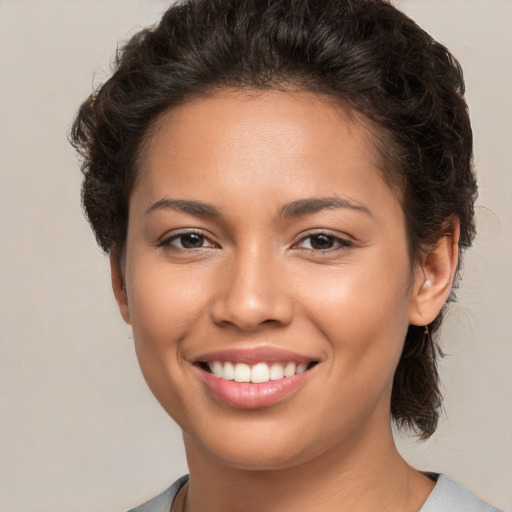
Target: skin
x=259 y=280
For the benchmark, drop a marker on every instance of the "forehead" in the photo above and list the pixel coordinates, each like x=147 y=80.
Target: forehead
x=260 y=142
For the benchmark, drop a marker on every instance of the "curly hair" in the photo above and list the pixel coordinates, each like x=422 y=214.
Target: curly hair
x=365 y=54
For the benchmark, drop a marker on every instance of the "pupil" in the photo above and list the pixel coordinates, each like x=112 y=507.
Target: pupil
x=321 y=242
x=192 y=241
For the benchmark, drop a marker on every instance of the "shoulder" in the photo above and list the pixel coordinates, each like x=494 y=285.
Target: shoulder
x=449 y=496
x=162 y=502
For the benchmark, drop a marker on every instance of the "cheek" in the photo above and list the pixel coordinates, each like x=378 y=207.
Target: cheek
x=365 y=329
x=164 y=307
x=363 y=312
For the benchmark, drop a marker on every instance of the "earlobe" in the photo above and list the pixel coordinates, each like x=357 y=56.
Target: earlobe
x=434 y=277
x=118 y=286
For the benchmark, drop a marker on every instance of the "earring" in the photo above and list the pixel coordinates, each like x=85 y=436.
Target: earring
x=435 y=349
x=427 y=342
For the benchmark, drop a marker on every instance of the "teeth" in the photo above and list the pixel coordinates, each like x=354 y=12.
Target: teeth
x=276 y=372
x=217 y=369
x=229 y=371
x=242 y=372
x=301 y=368
x=258 y=373
x=289 y=370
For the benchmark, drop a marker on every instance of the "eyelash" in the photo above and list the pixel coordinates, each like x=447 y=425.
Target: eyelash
x=167 y=242
x=340 y=243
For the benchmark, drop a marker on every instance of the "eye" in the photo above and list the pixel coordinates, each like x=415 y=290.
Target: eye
x=189 y=241
x=322 y=242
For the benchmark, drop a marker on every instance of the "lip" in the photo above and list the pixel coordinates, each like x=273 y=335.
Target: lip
x=253 y=356
x=248 y=395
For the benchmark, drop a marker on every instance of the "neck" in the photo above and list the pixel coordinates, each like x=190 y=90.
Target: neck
x=361 y=473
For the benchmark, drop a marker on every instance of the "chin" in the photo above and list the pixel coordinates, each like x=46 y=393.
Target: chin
x=256 y=457
x=261 y=444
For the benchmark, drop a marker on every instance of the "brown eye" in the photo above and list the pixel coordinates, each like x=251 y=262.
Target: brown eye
x=186 y=241
x=189 y=240
x=321 y=242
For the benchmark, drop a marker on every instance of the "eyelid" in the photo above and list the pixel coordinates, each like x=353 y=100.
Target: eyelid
x=165 y=240
x=342 y=242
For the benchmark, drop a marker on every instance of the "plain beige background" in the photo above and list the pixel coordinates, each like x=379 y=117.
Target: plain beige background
x=79 y=431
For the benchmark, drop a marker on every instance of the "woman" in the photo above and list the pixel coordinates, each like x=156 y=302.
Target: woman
x=284 y=189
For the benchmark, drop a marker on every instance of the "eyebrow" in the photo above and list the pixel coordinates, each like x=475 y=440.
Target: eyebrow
x=316 y=204
x=294 y=209
x=187 y=206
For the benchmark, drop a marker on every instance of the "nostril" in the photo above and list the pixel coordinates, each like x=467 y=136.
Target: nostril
x=251 y=298
x=251 y=315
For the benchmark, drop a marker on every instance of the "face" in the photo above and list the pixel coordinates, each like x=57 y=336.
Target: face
x=267 y=276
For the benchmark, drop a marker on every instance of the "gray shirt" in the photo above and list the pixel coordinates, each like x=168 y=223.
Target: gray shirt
x=447 y=496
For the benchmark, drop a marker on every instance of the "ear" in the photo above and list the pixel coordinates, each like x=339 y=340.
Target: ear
x=434 y=277
x=118 y=286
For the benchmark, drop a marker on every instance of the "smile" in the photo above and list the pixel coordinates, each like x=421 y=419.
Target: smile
x=256 y=377
x=257 y=373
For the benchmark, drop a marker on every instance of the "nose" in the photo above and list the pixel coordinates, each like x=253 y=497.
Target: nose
x=252 y=293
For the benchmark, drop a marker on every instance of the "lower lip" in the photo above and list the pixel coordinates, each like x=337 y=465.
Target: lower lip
x=248 y=395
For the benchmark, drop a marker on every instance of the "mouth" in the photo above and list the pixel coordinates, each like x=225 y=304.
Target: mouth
x=254 y=378
x=257 y=373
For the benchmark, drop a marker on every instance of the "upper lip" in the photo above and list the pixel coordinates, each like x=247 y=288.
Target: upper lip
x=254 y=355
